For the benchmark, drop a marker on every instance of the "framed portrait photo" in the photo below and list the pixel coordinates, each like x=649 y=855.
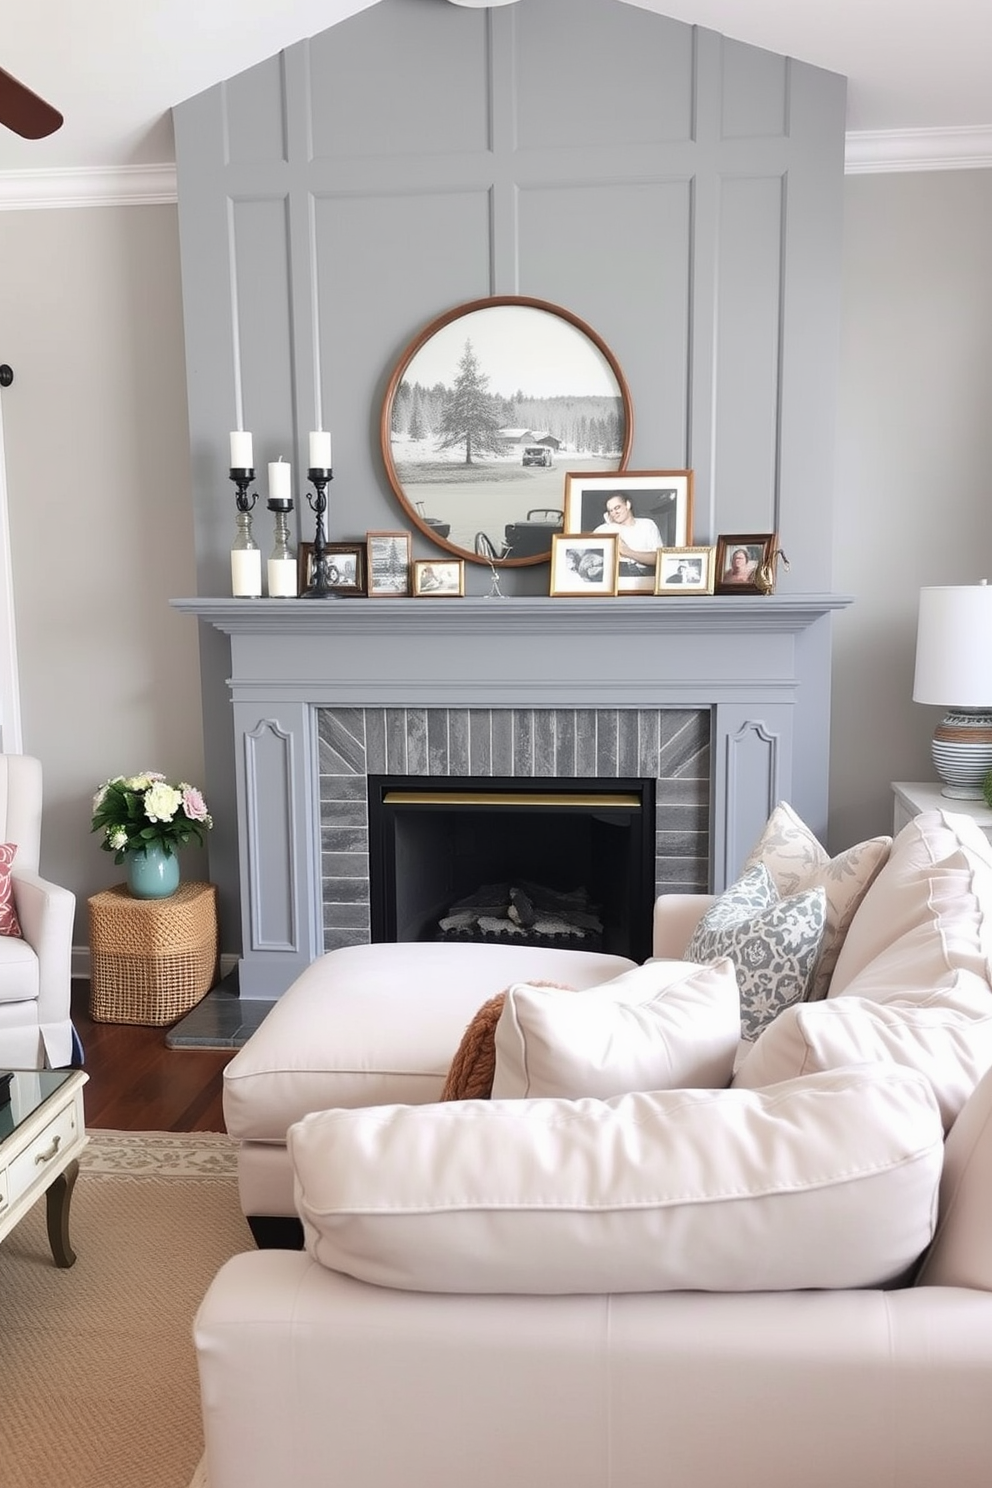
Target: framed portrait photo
x=344 y=568
x=584 y=563
x=685 y=571
x=645 y=509
x=438 y=578
x=739 y=557
x=388 y=555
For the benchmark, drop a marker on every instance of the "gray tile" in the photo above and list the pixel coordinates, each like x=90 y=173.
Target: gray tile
x=336 y=865
x=480 y=741
x=565 y=741
x=438 y=753
x=502 y=742
x=357 y=916
x=375 y=740
x=341 y=734
x=628 y=742
x=585 y=742
x=416 y=742
x=606 y=742
x=346 y=890
x=338 y=839
x=458 y=742
x=523 y=742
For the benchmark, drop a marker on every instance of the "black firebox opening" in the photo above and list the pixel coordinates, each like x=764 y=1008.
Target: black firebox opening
x=566 y=862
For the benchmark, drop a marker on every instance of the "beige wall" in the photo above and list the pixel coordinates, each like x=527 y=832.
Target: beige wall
x=914 y=462
x=97 y=454
x=101 y=528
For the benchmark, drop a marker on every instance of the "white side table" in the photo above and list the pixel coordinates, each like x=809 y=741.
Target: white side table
x=909 y=799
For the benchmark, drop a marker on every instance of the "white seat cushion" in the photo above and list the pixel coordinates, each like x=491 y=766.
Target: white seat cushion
x=661 y=1026
x=373 y=1024
x=829 y=1181
x=19 y=970
x=947 y=1040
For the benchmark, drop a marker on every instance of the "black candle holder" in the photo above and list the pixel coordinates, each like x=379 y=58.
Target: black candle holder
x=242 y=478
x=319 y=588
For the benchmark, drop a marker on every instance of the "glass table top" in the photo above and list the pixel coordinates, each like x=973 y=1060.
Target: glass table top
x=28 y=1089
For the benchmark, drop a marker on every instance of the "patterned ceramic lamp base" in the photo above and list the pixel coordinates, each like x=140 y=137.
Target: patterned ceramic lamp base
x=962 y=752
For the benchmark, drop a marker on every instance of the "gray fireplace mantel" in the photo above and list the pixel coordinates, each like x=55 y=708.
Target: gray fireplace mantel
x=759 y=664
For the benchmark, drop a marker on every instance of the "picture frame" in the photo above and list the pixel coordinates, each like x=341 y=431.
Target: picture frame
x=584 y=564
x=685 y=571
x=594 y=500
x=388 y=555
x=757 y=547
x=485 y=408
x=344 y=564
x=439 y=578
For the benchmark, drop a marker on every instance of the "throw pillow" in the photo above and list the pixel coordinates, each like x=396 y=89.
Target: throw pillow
x=774 y=944
x=471 y=1074
x=950 y=1042
x=659 y=1027
x=797 y=861
x=830 y=1181
x=9 y=923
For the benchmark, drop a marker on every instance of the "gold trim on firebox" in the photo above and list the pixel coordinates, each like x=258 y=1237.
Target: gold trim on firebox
x=597 y=799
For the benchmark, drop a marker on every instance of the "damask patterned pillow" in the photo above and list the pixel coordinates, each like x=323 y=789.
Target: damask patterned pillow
x=797 y=861
x=774 y=944
x=9 y=923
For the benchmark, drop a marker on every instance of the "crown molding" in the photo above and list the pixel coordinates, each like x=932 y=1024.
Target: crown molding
x=866 y=152
x=878 y=150
x=111 y=186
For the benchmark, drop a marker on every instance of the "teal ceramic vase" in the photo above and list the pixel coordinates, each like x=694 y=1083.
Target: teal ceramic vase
x=152 y=873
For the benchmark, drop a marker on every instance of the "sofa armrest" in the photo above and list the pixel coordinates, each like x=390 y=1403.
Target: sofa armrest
x=46 y=912
x=675 y=918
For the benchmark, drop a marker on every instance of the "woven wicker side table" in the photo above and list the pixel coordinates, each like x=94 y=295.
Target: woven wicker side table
x=151 y=960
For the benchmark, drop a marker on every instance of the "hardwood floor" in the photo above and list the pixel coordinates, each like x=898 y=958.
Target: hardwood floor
x=137 y=1084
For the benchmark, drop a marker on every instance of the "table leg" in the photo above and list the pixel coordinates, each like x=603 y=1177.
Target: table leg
x=57 y=1200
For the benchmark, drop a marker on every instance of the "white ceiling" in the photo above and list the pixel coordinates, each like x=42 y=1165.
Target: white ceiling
x=116 y=67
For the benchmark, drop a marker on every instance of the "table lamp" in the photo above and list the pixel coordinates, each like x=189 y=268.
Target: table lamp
x=954 y=670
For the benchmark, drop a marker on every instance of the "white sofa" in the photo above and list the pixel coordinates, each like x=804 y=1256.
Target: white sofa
x=788 y=1282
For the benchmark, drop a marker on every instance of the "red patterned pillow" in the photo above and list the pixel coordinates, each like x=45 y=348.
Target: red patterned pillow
x=9 y=924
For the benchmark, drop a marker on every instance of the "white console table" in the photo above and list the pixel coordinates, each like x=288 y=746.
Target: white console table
x=910 y=798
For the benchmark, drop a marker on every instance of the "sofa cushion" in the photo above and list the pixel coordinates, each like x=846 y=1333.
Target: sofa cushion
x=658 y=1027
x=371 y=1024
x=797 y=861
x=474 y=1065
x=774 y=944
x=950 y=1042
x=9 y=923
x=960 y=1255
x=926 y=915
x=829 y=1181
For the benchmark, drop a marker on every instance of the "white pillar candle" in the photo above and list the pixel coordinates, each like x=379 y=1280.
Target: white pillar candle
x=241 y=456
x=280 y=481
x=320 y=450
x=282 y=578
x=246 y=573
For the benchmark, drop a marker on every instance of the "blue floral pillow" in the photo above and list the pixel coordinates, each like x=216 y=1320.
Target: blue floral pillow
x=774 y=944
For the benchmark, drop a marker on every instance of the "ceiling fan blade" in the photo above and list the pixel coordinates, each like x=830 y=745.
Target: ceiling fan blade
x=24 y=112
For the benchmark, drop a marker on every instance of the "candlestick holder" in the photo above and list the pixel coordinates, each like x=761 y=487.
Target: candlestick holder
x=319 y=587
x=246 y=557
x=282 y=564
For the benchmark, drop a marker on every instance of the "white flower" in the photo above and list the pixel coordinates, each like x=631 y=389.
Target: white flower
x=161 y=802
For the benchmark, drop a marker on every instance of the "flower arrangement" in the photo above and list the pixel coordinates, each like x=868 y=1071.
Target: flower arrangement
x=138 y=811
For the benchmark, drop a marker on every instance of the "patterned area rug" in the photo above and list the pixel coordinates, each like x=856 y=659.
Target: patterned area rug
x=100 y=1386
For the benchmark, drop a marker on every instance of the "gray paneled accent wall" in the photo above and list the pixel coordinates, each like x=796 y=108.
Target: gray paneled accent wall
x=678 y=191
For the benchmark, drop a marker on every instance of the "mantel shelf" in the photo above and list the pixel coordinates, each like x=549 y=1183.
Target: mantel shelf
x=627 y=615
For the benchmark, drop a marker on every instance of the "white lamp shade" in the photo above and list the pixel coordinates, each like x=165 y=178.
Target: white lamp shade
x=954 y=647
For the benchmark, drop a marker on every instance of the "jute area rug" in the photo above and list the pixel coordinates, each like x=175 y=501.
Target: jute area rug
x=98 y=1383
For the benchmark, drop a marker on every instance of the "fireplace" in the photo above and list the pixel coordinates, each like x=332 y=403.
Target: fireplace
x=567 y=863
x=722 y=701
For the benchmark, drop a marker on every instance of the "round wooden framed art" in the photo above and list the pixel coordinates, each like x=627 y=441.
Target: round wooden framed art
x=486 y=410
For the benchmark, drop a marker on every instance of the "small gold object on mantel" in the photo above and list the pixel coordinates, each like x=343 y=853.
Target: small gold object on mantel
x=764 y=578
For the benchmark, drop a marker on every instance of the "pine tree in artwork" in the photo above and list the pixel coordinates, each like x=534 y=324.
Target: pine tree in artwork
x=472 y=415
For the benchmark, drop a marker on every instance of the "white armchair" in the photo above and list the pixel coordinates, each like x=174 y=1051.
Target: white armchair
x=35 y=970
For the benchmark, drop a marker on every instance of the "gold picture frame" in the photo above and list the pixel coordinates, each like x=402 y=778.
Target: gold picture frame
x=685 y=571
x=584 y=564
x=438 y=578
x=655 y=506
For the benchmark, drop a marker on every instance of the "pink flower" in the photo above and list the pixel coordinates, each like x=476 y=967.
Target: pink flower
x=194 y=805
